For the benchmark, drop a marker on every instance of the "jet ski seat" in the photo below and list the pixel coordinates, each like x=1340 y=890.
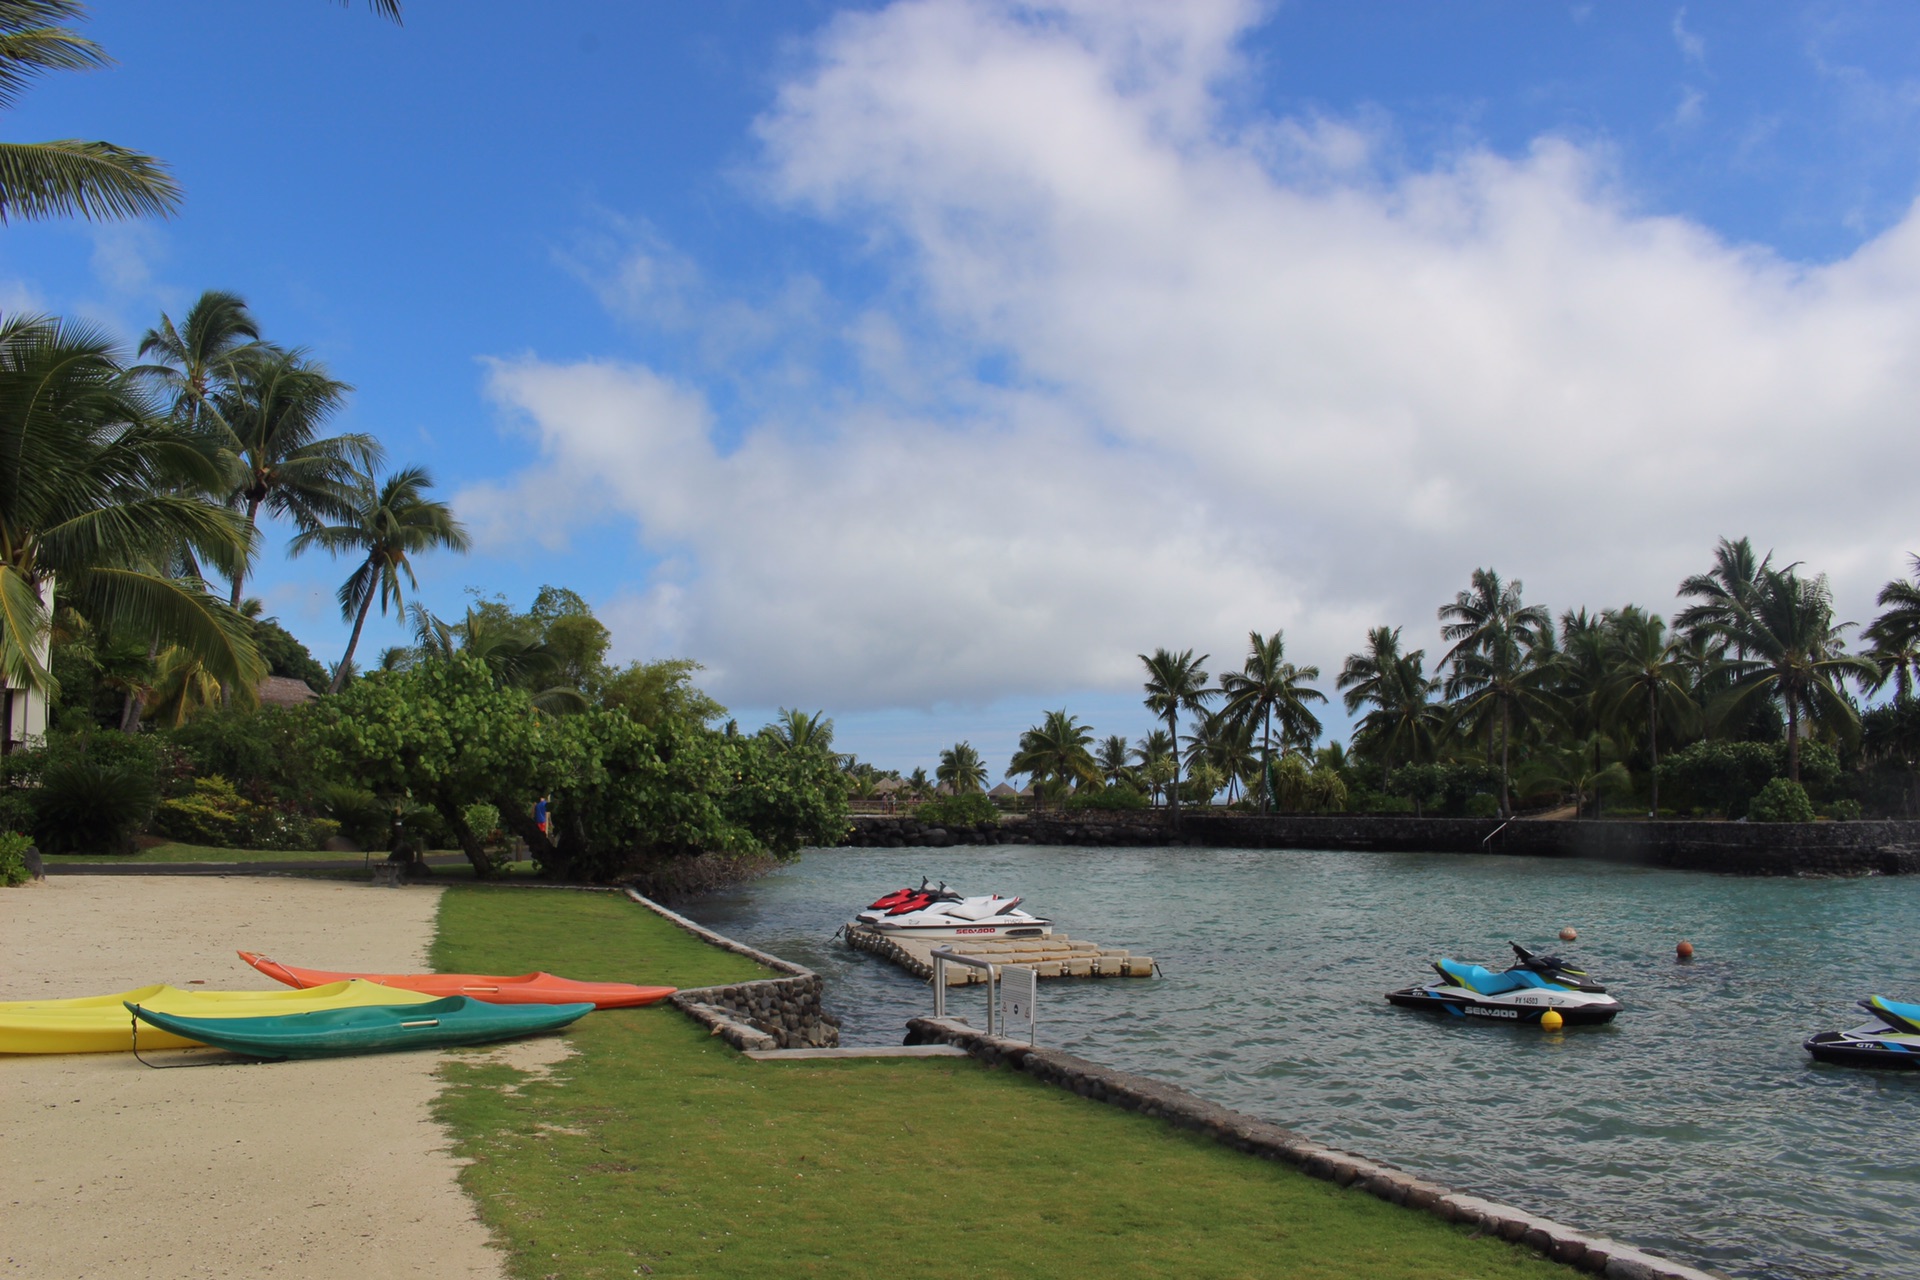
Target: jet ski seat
x=1484 y=981
x=1902 y=1017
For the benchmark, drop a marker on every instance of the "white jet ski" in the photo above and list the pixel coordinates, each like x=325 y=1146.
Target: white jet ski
x=942 y=913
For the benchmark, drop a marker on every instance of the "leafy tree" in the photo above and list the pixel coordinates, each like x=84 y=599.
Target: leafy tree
x=1725 y=593
x=1268 y=685
x=268 y=429
x=1055 y=754
x=94 y=180
x=390 y=524
x=446 y=735
x=1113 y=758
x=660 y=692
x=1794 y=654
x=1404 y=722
x=199 y=360
x=796 y=730
x=1648 y=673
x=1500 y=668
x=1153 y=761
x=1782 y=800
x=1590 y=768
x=1176 y=682
x=1895 y=635
x=91 y=483
x=961 y=769
x=284 y=654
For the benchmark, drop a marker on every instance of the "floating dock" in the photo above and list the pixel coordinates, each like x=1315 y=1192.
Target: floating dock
x=1057 y=956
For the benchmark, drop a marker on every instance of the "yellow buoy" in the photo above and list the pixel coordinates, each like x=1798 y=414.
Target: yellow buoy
x=1551 y=1020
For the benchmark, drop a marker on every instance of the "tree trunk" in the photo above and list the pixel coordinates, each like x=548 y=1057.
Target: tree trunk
x=1653 y=750
x=515 y=817
x=1173 y=797
x=1266 y=763
x=253 y=510
x=456 y=819
x=1793 y=739
x=1506 y=806
x=353 y=641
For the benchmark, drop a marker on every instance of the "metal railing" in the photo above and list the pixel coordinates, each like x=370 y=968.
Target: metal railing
x=944 y=956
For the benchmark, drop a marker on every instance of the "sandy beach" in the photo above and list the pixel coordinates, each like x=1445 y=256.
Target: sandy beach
x=323 y=1170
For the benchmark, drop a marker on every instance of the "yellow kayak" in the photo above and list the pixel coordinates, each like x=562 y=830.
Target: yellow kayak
x=101 y=1024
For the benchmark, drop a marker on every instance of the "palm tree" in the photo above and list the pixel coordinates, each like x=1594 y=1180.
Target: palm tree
x=1726 y=591
x=268 y=427
x=1153 y=761
x=795 y=730
x=389 y=523
x=1404 y=717
x=196 y=359
x=94 y=180
x=1586 y=768
x=962 y=770
x=1497 y=660
x=1112 y=758
x=94 y=487
x=1176 y=682
x=1226 y=745
x=515 y=659
x=1649 y=671
x=1792 y=652
x=1895 y=634
x=1055 y=752
x=1268 y=685
x=1490 y=615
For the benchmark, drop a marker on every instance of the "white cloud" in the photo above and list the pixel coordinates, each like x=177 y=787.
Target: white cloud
x=1255 y=381
x=1692 y=47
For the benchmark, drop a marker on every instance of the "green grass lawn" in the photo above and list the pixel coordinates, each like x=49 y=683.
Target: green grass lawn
x=657 y=1150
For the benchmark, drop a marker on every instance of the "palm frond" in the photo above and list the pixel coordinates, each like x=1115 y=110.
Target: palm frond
x=94 y=180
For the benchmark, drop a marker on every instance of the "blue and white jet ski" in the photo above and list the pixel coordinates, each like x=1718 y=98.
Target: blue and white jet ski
x=1522 y=993
x=1892 y=1040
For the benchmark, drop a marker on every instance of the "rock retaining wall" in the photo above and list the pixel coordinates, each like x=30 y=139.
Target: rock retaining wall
x=1736 y=848
x=772 y=1013
x=1175 y=1105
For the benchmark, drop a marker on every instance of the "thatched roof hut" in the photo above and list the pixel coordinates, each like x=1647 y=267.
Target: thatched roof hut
x=284 y=691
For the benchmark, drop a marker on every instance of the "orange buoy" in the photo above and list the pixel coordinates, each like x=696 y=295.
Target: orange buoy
x=1684 y=951
x=1569 y=934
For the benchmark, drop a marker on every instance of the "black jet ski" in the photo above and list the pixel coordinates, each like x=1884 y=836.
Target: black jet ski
x=1522 y=993
x=1891 y=1040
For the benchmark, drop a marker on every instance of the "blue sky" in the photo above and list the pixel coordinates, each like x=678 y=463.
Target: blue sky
x=925 y=362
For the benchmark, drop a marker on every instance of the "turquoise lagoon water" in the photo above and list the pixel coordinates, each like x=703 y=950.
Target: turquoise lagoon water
x=1695 y=1124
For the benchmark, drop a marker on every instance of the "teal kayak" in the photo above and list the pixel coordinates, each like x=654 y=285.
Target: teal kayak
x=330 y=1033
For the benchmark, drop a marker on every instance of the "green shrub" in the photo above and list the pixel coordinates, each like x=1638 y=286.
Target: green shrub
x=1844 y=811
x=1108 y=798
x=1482 y=805
x=85 y=805
x=360 y=815
x=484 y=821
x=13 y=859
x=216 y=814
x=966 y=810
x=1782 y=800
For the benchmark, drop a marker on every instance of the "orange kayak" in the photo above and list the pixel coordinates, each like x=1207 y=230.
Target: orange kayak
x=528 y=988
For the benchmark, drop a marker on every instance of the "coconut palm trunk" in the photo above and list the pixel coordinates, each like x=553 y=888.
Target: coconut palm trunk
x=1653 y=752
x=353 y=642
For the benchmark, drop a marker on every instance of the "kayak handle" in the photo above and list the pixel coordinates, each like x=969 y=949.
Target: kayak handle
x=494 y=989
x=424 y=1022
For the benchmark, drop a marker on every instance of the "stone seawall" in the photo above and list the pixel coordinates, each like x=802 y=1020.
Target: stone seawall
x=1735 y=848
x=1593 y=1254
x=772 y=1013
